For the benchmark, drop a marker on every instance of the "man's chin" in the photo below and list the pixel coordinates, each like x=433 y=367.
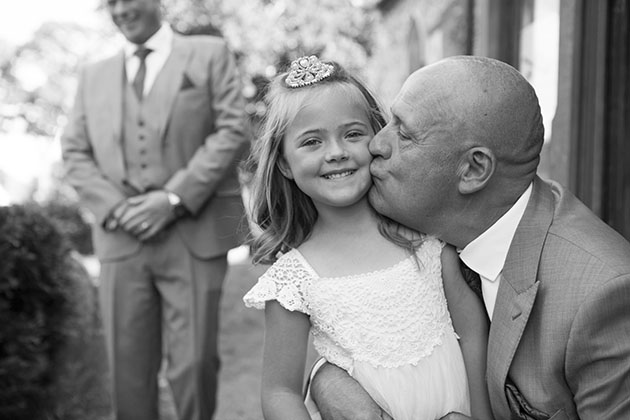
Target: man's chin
x=377 y=201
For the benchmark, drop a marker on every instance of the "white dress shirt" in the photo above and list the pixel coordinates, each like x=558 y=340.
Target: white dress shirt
x=160 y=44
x=486 y=254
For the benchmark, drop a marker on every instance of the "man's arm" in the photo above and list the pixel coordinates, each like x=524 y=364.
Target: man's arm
x=96 y=191
x=221 y=150
x=598 y=352
x=340 y=397
x=470 y=321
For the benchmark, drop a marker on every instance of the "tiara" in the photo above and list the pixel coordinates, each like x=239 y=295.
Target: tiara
x=307 y=70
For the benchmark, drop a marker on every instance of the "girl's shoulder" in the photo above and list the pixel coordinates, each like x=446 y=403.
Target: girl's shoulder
x=429 y=248
x=288 y=267
x=285 y=281
x=431 y=242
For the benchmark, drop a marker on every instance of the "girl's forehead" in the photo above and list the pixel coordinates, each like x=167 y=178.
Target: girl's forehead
x=333 y=94
x=328 y=116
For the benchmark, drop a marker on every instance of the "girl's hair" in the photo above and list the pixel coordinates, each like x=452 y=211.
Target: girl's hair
x=284 y=214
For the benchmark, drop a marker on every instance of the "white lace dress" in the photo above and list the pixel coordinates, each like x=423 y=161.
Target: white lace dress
x=390 y=329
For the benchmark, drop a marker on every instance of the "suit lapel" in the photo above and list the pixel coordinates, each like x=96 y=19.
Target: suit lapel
x=168 y=82
x=517 y=291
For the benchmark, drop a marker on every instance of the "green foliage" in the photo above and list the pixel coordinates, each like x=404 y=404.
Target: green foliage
x=271 y=33
x=267 y=35
x=38 y=78
x=49 y=333
x=69 y=219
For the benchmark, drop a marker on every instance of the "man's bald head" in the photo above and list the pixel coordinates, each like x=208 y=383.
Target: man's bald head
x=488 y=103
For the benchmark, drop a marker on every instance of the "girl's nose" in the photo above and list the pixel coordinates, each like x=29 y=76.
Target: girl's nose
x=336 y=152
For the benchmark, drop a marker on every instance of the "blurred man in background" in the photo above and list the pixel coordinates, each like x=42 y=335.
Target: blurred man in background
x=152 y=148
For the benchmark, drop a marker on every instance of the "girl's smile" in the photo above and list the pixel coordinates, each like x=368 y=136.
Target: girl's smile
x=338 y=174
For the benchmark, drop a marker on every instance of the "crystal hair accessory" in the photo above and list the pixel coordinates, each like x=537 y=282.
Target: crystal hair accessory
x=307 y=70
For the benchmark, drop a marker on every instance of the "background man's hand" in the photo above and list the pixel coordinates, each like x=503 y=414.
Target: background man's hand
x=111 y=223
x=338 y=396
x=145 y=215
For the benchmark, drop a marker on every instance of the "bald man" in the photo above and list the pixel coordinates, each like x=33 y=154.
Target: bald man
x=458 y=160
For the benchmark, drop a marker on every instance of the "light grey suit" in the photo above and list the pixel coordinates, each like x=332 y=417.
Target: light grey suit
x=177 y=276
x=561 y=325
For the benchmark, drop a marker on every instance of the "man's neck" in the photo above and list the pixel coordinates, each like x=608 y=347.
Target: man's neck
x=152 y=34
x=502 y=230
x=480 y=214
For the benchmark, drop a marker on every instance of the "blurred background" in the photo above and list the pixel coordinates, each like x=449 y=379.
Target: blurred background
x=576 y=53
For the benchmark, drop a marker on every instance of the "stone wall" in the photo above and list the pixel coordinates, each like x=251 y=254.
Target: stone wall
x=414 y=33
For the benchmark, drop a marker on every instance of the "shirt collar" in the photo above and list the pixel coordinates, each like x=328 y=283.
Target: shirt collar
x=160 y=42
x=486 y=254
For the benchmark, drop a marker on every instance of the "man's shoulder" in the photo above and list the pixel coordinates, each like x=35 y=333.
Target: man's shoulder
x=203 y=42
x=581 y=236
x=102 y=62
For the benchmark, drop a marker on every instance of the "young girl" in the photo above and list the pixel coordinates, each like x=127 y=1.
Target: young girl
x=369 y=291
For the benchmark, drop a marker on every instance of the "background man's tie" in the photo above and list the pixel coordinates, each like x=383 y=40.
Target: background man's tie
x=138 y=81
x=472 y=278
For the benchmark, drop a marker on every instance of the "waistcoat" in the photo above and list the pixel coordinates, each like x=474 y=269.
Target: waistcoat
x=142 y=145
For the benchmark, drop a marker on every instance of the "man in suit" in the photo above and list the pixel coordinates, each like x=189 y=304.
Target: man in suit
x=459 y=160
x=152 y=150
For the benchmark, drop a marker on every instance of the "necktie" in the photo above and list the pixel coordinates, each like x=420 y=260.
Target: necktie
x=138 y=81
x=472 y=278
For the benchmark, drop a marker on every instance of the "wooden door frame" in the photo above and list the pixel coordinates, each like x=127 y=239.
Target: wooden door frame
x=616 y=187
x=589 y=151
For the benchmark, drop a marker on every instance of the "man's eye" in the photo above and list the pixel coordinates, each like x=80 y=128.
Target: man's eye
x=404 y=136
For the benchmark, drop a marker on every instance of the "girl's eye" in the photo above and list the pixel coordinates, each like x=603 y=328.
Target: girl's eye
x=353 y=134
x=310 y=142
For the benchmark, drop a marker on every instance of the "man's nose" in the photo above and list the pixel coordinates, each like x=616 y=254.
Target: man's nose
x=379 y=145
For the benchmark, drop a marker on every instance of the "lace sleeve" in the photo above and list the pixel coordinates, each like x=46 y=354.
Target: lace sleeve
x=286 y=281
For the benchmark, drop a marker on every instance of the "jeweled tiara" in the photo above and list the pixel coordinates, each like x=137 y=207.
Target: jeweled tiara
x=307 y=70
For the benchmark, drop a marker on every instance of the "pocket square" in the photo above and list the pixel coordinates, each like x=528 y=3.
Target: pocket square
x=520 y=408
x=186 y=83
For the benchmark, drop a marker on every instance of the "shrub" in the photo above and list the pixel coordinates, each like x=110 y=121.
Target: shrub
x=70 y=220
x=49 y=324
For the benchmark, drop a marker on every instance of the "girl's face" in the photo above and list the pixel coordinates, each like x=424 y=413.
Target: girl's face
x=325 y=148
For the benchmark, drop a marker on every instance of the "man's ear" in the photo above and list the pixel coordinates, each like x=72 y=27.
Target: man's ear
x=476 y=169
x=284 y=168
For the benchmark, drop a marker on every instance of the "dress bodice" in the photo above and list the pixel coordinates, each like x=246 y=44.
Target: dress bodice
x=388 y=317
